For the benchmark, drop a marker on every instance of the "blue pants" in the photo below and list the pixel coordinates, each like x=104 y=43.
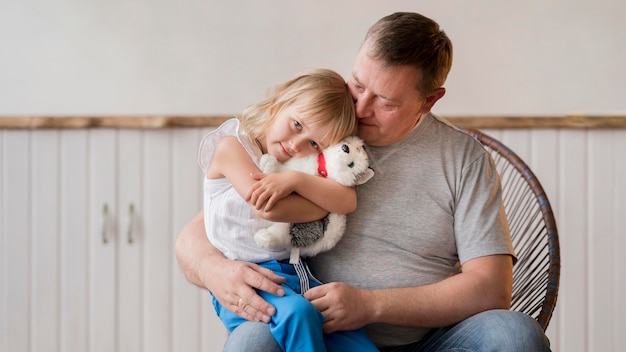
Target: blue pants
x=297 y=325
x=495 y=330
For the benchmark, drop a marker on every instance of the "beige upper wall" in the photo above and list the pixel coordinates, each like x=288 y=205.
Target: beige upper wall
x=70 y=57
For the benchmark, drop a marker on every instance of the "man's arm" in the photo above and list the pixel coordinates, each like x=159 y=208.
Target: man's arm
x=228 y=280
x=485 y=283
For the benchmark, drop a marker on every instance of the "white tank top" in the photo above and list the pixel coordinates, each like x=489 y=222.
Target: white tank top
x=229 y=221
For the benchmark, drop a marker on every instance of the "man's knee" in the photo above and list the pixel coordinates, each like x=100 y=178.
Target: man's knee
x=510 y=331
x=252 y=337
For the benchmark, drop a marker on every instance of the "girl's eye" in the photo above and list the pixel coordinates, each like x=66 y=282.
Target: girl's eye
x=298 y=125
x=314 y=144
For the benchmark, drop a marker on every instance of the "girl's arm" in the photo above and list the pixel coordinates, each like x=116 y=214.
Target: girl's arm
x=326 y=193
x=232 y=161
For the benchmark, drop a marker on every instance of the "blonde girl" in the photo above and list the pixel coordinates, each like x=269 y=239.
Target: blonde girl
x=300 y=117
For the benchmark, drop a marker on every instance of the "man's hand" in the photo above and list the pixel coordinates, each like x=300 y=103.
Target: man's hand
x=344 y=307
x=235 y=284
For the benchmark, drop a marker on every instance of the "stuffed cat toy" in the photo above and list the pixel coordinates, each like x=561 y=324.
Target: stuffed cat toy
x=345 y=162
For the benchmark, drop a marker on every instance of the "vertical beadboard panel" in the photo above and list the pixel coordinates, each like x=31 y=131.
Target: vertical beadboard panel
x=16 y=156
x=45 y=240
x=619 y=228
x=539 y=148
x=544 y=161
x=187 y=310
x=130 y=240
x=601 y=240
x=572 y=223
x=196 y=327
x=102 y=255
x=157 y=205
x=74 y=241
x=4 y=282
x=213 y=332
x=519 y=140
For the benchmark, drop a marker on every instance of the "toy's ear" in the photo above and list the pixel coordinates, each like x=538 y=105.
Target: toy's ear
x=365 y=176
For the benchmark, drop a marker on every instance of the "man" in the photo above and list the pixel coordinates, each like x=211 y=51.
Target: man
x=426 y=260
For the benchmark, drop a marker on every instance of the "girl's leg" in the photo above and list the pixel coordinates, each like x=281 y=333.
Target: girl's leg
x=297 y=325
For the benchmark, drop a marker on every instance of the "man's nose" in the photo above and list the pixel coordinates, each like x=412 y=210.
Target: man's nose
x=363 y=106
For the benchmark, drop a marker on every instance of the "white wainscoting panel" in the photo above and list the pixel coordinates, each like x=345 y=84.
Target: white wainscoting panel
x=62 y=192
x=583 y=173
x=88 y=223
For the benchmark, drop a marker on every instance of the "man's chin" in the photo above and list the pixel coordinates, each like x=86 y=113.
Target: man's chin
x=369 y=139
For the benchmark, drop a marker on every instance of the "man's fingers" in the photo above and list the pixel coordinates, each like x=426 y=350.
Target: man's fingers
x=255 y=307
x=268 y=281
x=248 y=312
x=247 y=303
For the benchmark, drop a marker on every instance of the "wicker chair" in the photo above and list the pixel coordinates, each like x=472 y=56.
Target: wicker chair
x=533 y=232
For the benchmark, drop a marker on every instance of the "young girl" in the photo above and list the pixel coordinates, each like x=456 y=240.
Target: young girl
x=302 y=116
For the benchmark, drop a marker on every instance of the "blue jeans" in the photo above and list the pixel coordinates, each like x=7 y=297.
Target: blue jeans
x=495 y=330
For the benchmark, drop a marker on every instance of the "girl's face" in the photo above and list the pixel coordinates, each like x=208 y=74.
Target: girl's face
x=289 y=136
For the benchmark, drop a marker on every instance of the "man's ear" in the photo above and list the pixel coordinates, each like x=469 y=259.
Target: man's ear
x=431 y=99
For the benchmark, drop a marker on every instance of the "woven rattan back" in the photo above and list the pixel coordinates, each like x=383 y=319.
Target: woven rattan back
x=533 y=232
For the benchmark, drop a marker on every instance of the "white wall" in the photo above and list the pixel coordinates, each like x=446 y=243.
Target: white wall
x=216 y=57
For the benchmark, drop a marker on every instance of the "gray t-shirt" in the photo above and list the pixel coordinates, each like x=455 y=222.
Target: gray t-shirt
x=433 y=204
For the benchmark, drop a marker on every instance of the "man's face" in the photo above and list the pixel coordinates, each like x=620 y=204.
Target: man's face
x=388 y=104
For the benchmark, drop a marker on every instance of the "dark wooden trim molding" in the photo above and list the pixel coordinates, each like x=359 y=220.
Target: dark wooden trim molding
x=141 y=122
x=508 y=122
x=154 y=121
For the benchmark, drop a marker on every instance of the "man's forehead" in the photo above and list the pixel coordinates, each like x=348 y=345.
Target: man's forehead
x=384 y=80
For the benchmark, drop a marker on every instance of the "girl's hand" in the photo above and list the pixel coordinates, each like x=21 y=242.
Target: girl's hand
x=270 y=188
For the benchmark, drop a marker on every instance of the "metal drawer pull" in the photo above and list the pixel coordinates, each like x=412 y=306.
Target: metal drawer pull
x=105 y=222
x=131 y=222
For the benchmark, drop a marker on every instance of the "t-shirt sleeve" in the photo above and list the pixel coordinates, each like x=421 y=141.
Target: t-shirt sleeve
x=481 y=226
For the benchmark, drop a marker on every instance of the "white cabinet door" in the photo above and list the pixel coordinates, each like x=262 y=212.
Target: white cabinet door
x=88 y=223
x=74 y=240
x=15 y=245
x=130 y=239
x=102 y=240
x=158 y=247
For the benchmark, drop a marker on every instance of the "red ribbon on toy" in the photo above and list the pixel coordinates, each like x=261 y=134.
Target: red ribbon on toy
x=321 y=165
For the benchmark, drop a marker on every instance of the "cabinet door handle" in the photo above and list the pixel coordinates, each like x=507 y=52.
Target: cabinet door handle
x=105 y=222
x=131 y=222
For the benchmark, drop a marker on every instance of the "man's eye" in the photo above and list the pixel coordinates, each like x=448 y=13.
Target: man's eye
x=298 y=125
x=357 y=86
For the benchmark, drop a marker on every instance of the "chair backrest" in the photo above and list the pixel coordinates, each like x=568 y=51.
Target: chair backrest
x=533 y=232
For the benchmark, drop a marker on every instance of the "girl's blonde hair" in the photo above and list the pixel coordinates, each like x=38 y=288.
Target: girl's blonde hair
x=320 y=96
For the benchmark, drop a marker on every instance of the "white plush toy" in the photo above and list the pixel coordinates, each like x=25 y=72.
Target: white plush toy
x=345 y=162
